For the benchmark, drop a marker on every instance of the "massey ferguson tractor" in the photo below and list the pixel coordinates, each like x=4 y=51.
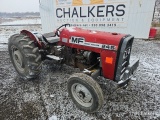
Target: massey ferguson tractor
x=95 y=53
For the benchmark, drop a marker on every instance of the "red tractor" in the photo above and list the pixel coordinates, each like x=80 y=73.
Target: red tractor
x=95 y=53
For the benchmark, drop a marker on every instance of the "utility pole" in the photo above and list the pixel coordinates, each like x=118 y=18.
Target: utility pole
x=157 y=3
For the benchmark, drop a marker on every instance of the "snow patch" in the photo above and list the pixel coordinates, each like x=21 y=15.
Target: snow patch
x=53 y=117
x=25 y=21
x=52 y=96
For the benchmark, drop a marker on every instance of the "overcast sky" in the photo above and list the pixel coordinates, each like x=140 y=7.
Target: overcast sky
x=19 y=5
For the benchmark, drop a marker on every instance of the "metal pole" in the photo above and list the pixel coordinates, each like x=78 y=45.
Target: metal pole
x=154 y=10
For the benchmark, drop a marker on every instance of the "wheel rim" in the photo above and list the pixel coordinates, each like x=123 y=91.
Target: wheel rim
x=82 y=95
x=18 y=59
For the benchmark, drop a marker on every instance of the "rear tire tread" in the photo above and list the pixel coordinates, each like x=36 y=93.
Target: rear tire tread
x=27 y=46
x=30 y=42
x=35 y=50
x=38 y=58
x=30 y=55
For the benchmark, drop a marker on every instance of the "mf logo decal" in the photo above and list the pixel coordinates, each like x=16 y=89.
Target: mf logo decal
x=81 y=41
x=77 y=40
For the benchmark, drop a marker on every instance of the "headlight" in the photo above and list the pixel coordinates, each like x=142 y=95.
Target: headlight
x=129 y=51
x=126 y=53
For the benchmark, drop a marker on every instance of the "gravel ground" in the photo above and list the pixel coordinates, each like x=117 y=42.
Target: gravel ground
x=46 y=97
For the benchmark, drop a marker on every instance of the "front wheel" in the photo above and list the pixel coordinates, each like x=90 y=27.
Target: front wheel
x=25 y=56
x=85 y=92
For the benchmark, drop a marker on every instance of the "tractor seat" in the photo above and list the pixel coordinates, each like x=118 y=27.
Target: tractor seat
x=50 y=37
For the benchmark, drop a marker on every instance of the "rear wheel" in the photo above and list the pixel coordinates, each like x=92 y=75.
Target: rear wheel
x=25 y=56
x=85 y=92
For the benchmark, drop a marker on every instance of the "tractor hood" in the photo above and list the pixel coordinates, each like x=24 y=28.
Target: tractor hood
x=91 y=38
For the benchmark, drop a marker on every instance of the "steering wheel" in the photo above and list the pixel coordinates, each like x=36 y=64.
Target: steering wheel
x=58 y=29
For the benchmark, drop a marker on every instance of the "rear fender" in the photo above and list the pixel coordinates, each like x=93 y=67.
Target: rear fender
x=33 y=37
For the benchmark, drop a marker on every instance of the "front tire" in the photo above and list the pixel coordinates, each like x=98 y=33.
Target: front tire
x=85 y=92
x=25 y=56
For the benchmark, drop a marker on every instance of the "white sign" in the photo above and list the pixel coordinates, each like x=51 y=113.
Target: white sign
x=92 y=13
x=122 y=16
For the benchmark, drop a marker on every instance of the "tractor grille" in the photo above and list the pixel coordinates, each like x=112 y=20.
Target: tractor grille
x=123 y=57
x=125 y=61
